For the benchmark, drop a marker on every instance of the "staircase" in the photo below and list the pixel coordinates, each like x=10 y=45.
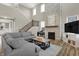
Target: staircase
x=26 y=27
x=29 y=25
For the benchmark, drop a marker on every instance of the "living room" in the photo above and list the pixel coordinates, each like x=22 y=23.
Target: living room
x=38 y=22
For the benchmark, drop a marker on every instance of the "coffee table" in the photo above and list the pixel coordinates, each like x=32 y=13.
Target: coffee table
x=42 y=43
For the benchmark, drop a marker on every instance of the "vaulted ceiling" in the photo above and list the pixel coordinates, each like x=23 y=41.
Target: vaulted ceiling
x=28 y=5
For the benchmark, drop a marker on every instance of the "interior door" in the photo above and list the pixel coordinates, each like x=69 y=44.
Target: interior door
x=6 y=26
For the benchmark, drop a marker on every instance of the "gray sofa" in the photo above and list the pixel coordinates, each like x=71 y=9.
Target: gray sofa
x=16 y=44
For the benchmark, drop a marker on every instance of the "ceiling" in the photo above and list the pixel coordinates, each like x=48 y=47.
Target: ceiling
x=28 y=5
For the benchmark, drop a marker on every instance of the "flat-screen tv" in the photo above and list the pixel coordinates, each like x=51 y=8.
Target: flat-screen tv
x=72 y=27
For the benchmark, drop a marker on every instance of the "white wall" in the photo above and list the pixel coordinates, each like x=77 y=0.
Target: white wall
x=61 y=11
x=68 y=9
x=22 y=17
x=50 y=9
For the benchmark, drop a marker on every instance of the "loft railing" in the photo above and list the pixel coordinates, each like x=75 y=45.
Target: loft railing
x=29 y=25
x=26 y=27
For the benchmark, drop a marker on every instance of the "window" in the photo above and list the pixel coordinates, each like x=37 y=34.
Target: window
x=42 y=7
x=34 y=11
x=42 y=23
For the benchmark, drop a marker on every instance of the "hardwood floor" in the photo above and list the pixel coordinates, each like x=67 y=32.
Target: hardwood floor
x=1 y=52
x=67 y=49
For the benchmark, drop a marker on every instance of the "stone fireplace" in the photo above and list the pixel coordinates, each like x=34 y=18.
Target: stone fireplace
x=51 y=35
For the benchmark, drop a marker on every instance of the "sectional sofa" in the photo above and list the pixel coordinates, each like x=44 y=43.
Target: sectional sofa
x=16 y=44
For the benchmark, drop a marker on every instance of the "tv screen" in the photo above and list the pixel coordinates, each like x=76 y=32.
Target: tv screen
x=72 y=27
x=68 y=27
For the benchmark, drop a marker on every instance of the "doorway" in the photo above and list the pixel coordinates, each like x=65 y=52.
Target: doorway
x=6 y=25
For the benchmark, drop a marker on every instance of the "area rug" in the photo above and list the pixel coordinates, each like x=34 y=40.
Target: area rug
x=53 y=50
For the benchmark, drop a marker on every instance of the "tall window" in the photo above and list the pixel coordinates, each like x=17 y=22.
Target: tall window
x=34 y=11
x=42 y=7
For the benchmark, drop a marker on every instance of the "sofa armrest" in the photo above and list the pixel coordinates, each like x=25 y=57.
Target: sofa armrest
x=6 y=48
x=28 y=49
x=37 y=48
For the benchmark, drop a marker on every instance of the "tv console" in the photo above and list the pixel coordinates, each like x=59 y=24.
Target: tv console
x=72 y=33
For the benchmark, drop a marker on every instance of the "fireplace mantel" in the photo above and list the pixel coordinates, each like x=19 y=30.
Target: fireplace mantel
x=51 y=26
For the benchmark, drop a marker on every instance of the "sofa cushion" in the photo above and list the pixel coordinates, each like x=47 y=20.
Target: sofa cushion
x=28 y=37
x=16 y=43
x=15 y=35
x=24 y=34
x=26 y=50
